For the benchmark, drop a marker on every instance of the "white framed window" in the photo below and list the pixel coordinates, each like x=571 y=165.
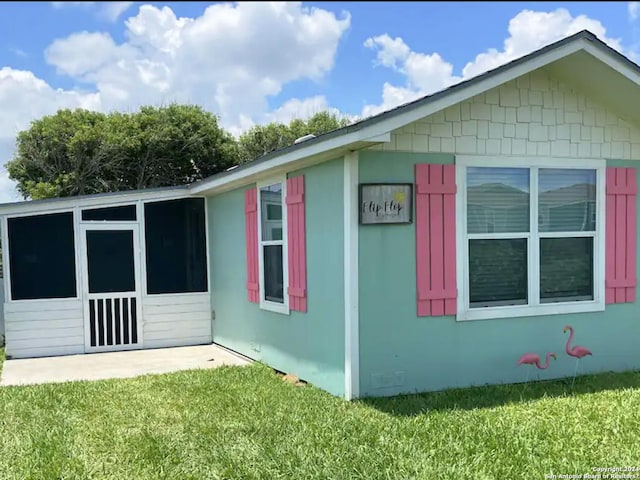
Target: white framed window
x=272 y=239
x=530 y=236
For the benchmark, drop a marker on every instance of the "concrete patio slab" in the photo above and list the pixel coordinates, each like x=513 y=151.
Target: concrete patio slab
x=100 y=366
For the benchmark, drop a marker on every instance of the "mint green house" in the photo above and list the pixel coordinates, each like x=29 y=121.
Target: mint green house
x=425 y=248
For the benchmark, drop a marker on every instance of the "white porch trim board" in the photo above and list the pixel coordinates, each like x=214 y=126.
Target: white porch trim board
x=351 y=309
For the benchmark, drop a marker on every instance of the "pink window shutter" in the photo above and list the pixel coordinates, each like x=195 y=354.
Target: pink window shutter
x=251 y=232
x=620 y=241
x=436 y=239
x=297 y=250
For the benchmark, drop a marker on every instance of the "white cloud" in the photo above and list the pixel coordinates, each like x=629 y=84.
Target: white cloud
x=302 y=109
x=25 y=97
x=113 y=10
x=634 y=10
x=425 y=73
x=92 y=51
x=8 y=191
x=428 y=73
x=292 y=109
x=68 y=4
x=391 y=52
x=228 y=60
x=531 y=30
x=108 y=10
x=392 y=96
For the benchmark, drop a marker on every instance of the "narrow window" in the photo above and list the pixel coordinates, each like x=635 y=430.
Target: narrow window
x=272 y=230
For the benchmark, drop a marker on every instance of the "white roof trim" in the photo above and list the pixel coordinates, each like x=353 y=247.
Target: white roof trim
x=88 y=201
x=383 y=127
x=335 y=143
x=615 y=63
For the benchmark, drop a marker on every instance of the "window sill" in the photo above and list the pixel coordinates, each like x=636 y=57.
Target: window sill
x=488 y=313
x=274 y=307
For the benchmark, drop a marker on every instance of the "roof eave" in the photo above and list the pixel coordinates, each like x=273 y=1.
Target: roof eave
x=379 y=127
x=94 y=200
x=334 y=147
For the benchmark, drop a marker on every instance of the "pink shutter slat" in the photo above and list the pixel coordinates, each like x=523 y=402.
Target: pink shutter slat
x=450 y=242
x=620 y=235
x=436 y=214
x=296 y=238
x=435 y=240
x=251 y=232
x=610 y=238
x=423 y=244
x=292 y=240
x=631 y=234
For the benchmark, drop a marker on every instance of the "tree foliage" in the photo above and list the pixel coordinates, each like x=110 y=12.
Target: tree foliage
x=76 y=152
x=263 y=139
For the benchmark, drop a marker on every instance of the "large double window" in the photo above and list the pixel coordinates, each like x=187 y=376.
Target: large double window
x=531 y=237
x=272 y=240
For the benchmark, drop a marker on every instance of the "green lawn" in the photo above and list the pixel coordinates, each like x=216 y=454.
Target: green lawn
x=245 y=422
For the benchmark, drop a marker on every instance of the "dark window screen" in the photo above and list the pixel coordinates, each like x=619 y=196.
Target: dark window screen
x=566 y=269
x=273 y=274
x=110 y=261
x=498 y=272
x=113 y=214
x=176 y=246
x=42 y=256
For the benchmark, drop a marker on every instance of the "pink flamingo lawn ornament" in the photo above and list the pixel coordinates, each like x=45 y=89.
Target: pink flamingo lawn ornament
x=576 y=351
x=534 y=359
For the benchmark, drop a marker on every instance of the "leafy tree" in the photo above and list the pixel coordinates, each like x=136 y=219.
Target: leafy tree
x=263 y=139
x=43 y=164
x=324 y=122
x=76 y=152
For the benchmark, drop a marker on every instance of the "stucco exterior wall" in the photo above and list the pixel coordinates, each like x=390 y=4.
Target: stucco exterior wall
x=534 y=116
x=309 y=345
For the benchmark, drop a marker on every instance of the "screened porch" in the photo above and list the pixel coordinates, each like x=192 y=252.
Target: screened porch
x=102 y=273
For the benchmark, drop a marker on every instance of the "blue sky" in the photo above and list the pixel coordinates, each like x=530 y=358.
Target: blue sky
x=254 y=63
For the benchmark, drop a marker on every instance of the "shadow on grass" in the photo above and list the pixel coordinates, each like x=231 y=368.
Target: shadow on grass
x=498 y=395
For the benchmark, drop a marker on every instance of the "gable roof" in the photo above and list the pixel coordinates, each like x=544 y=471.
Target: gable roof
x=580 y=53
x=581 y=59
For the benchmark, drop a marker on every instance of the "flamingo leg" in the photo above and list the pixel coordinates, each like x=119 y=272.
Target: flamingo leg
x=526 y=380
x=575 y=372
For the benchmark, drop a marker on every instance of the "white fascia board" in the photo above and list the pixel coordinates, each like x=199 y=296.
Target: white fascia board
x=92 y=201
x=351 y=275
x=617 y=64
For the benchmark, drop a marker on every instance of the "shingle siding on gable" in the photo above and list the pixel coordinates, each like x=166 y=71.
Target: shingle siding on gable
x=534 y=115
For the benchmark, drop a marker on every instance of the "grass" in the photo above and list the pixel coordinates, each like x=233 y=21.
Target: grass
x=245 y=422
